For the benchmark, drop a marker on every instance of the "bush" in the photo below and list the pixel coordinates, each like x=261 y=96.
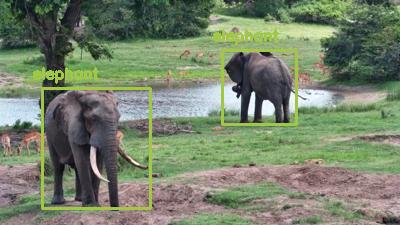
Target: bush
x=261 y=8
x=320 y=11
x=284 y=17
x=367 y=45
x=22 y=126
x=269 y=18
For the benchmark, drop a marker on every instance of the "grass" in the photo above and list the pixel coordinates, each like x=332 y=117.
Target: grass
x=393 y=95
x=239 y=197
x=143 y=60
x=27 y=203
x=340 y=108
x=309 y=220
x=212 y=219
x=338 y=209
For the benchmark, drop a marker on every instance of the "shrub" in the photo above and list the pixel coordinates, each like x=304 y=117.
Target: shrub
x=269 y=18
x=22 y=126
x=367 y=45
x=284 y=17
x=320 y=11
x=261 y=8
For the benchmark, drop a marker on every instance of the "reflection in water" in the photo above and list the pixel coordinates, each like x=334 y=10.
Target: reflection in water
x=187 y=101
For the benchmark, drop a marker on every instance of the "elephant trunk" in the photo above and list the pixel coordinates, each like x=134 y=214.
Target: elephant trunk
x=109 y=152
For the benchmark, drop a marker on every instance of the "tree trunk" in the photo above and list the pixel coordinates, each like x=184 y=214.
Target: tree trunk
x=53 y=62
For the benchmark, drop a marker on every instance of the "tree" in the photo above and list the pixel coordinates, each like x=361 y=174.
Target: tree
x=53 y=23
x=13 y=33
x=367 y=45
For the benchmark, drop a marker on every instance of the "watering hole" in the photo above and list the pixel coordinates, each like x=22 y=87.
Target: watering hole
x=181 y=100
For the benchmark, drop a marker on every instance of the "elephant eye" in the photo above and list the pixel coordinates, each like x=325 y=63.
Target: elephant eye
x=93 y=104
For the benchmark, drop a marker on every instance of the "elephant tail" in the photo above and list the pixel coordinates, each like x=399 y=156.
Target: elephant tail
x=287 y=79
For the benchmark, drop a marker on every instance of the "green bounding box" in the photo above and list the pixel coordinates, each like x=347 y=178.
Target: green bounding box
x=294 y=51
x=42 y=152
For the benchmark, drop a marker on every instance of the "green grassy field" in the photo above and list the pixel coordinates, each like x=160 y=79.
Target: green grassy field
x=144 y=60
x=208 y=149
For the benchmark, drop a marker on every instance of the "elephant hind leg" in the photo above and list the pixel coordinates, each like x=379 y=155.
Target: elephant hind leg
x=286 y=115
x=278 y=112
x=58 y=196
x=258 y=110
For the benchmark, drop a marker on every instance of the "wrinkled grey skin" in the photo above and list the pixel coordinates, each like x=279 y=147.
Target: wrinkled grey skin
x=268 y=77
x=75 y=120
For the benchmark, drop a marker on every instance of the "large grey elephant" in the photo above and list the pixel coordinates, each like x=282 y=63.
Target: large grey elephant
x=267 y=76
x=81 y=130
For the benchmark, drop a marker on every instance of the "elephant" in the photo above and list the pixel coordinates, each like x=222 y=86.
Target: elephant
x=266 y=75
x=81 y=128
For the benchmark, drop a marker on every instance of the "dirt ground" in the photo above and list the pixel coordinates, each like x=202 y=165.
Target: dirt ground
x=8 y=80
x=160 y=126
x=377 y=196
x=16 y=181
x=391 y=139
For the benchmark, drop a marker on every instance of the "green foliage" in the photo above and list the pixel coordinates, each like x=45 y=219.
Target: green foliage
x=320 y=11
x=269 y=18
x=367 y=45
x=22 y=126
x=156 y=19
x=283 y=16
x=13 y=33
x=261 y=8
x=240 y=196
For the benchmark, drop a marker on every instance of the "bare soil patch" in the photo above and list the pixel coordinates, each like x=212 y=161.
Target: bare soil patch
x=16 y=181
x=8 y=80
x=392 y=139
x=376 y=195
x=160 y=126
x=387 y=139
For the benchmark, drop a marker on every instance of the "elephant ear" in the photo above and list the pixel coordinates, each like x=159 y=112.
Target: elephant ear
x=236 y=67
x=76 y=128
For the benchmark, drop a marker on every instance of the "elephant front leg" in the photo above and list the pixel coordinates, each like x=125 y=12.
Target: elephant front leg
x=244 y=109
x=81 y=158
x=95 y=180
x=58 y=196
x=258 y=110
x=78 y=189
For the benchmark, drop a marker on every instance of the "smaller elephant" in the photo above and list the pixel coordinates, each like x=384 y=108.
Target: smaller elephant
x=267 y=76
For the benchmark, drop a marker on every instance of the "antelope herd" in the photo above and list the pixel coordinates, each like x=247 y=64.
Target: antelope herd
x=31 y=137
x=34 y=137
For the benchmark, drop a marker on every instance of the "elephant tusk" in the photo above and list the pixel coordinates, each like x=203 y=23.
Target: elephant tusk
x=129 y=159
x=93 y=164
